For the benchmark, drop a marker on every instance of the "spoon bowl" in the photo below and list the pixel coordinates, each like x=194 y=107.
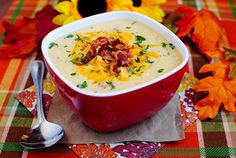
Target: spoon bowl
x=43 y=133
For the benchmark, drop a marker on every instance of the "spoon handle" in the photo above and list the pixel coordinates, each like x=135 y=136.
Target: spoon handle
x=37 y=72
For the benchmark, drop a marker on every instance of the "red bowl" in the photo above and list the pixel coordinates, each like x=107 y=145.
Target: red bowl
x=116 y=110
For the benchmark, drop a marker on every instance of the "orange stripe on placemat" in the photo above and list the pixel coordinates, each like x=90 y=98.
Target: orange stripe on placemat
x=28 y=8
x=11 y=87
x=10 y=74
x=230 y=26
x=224 y=9
x=4 y=65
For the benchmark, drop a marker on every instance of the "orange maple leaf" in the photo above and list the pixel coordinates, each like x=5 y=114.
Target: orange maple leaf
x=202 y=26
x=221 y=90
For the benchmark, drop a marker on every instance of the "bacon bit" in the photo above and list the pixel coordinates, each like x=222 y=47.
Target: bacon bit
x=113 y=52
x=113 y=68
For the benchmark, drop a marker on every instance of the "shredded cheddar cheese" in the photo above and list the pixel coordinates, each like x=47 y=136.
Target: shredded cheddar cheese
x=104 y=56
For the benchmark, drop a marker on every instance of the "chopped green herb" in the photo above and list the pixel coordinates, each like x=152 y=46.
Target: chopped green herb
x=137 y=60
x=82 y=85
x=95 y=71
x=52 y=44
x=149 y=61
x=134 y=22
x=140 y=68
x=80 y=58
x=130 y=70
x=73 y=74
x=142 y=52
x=111 y=85
x=69 y=36
x=79 y=39
x=160 y=70
x=65 y=46
x=163 y=45
x=91 y=27
x=138 y=44
x=128 y=27
x=139 y=39
x=67 y=51
x=171 y=46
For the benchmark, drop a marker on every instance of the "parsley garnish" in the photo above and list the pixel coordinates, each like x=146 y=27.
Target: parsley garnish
x=139 y=39
x=80 y=58
x=171 y=46
x=163 y=45
x=140 y=68
x=73 y=74
x=137 y=60
x=130 y=70
x=111 y=85
x=149 y=61
x=69 y=36
x=128 y=27
x=133 y=22
x=82 y=85
x=160 y=70
x=52 y=44
x=79 y=39
x=142 y=52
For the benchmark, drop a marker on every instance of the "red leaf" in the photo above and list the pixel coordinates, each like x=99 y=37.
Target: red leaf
x=26 y=34
x=45 y=24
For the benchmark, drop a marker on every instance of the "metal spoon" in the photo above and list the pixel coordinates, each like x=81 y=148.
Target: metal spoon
x=43 y=133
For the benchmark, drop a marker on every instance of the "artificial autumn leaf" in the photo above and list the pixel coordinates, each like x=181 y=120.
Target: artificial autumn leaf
x=221 y=91
x=183 y=24
x=218 y=69
x=25 y=34
x=19 y=39
x=45 y=24
x=203 y=28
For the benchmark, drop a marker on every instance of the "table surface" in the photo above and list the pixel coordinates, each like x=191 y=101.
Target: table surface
x=207 y=138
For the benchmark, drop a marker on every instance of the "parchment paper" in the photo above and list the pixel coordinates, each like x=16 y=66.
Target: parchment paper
x=165 y=125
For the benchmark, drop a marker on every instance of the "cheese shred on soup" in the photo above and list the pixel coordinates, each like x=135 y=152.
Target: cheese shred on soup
x=113 y=56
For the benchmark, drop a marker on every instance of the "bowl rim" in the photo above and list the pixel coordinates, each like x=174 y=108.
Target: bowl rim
x=103 y=17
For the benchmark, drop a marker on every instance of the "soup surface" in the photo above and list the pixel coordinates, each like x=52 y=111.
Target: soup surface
x=113 y=56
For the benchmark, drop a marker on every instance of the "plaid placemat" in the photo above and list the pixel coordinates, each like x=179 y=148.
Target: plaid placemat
x=209 y=138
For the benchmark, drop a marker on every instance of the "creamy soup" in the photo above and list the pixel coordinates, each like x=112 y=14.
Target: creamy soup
x=112 y=56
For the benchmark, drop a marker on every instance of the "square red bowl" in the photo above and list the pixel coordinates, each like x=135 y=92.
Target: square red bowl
x=113 y=111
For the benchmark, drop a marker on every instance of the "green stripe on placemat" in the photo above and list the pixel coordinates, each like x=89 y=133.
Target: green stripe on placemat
x=212 y=126
x=218 y=151
x=190 y=3
x=11 y=146
x=233 y=7
x=17 y=11
x=23 y=112
x=21 y=122
x=13 y=17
